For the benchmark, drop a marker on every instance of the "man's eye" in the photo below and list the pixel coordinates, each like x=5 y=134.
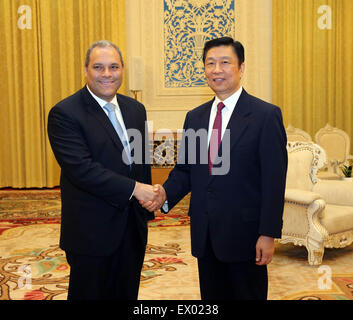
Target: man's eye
x=115 y=67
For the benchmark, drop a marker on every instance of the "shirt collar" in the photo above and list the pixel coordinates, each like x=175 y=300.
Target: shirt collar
x=100 y=101
x=231 y=101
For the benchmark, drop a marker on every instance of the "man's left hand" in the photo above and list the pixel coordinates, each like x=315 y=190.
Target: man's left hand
x=265 y=248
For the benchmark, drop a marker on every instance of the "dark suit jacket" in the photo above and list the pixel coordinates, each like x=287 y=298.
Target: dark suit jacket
x=247 y=201
x=95 y=183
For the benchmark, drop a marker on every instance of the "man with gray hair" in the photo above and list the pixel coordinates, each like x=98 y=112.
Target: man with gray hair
x=103 y=227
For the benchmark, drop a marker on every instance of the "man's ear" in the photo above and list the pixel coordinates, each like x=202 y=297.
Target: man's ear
x=242 y=68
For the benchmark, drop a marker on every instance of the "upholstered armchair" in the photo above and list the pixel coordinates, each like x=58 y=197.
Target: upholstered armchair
x=317 y=214
x=296 y=134
x=336 y=144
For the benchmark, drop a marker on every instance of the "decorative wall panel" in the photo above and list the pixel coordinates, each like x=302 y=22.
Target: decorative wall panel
x=167 y=36
x=188 y=24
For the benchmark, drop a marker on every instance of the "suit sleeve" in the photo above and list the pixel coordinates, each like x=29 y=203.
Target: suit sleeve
x=75 y=159
x=273 y=162
x=178 y=184
x=147 y=176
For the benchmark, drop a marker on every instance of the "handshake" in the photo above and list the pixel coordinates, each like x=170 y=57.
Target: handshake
x=150 y=197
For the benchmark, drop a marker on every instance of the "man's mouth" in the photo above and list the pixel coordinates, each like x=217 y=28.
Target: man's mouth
x=106 y=83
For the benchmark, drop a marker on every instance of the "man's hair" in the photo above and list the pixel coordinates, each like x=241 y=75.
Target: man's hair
x=225 y=41
x=102 y=44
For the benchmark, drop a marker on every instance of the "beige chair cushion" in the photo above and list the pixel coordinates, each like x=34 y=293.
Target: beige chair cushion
x=337 y=218
x=298 y=173
x=335 y=192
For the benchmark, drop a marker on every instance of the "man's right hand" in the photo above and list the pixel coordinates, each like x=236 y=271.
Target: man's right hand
x=144 y=192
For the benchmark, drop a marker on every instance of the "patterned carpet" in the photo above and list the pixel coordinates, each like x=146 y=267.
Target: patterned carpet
x=33 y=267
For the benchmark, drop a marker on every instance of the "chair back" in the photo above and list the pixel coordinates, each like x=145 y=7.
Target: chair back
x=304 y=161
x=336 y=143
x=296 y=134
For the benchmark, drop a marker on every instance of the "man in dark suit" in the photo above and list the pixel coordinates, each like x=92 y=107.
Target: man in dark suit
x=235 y=208
x=103 y=227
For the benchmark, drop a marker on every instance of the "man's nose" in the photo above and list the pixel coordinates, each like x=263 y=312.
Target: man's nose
x=106 y=72
x=217 y=67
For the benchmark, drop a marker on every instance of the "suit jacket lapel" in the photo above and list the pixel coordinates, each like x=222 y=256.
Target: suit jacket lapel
x=205 y=117
x=238 y=122
x=95 y=110
x=128 y=115
x=239 y=119
x=204 y=120
x=128 y=118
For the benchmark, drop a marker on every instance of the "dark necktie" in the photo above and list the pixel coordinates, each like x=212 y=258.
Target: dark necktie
x=216 y=137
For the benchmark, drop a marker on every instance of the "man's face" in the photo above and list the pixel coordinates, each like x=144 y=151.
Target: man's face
x=104 y=73
x=222 y=71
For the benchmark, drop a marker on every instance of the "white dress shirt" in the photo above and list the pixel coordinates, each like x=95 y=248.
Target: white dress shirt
x=227 y=111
